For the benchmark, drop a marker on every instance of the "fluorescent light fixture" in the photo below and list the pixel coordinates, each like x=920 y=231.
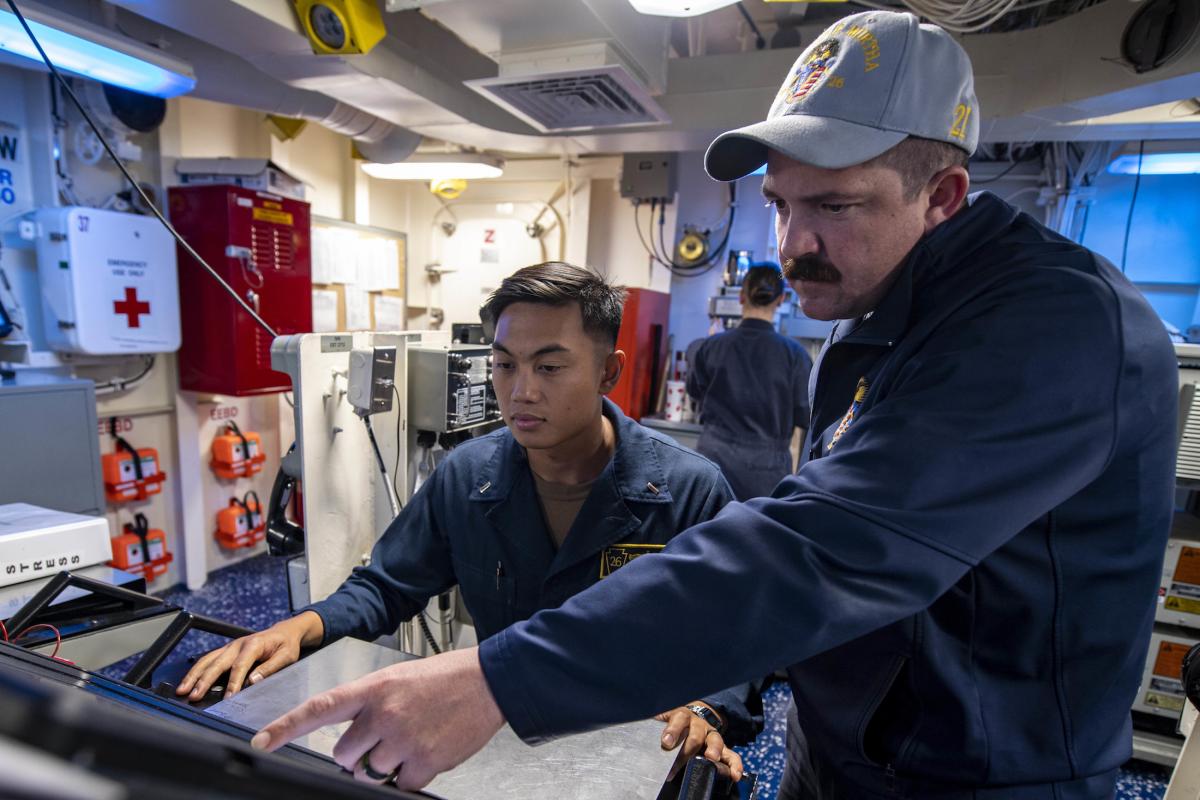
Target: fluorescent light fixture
x=678 y=8
x=90 y=51
x=432 y=166
x=1156 y=164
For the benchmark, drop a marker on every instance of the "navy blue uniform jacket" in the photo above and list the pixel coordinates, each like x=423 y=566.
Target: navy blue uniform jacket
x=753 y=384
x=476 y=522
x=964 y=584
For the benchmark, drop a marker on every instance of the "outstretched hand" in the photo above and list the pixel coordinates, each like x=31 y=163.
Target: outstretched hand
x=414 y=719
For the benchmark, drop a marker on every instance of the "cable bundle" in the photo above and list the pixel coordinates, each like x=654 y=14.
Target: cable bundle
x=969 y=16
x=665 y=258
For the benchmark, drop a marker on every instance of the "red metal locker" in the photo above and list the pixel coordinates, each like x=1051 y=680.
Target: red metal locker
x=259 y=243
x=643 y=337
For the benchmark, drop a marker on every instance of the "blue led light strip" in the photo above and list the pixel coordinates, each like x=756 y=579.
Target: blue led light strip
x=90 y=59
x=1156 y=164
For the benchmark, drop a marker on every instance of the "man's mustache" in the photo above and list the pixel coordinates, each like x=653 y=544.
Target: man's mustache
x=810 y=268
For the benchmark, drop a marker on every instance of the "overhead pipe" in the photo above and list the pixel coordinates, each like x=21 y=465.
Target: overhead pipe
x=224 y=77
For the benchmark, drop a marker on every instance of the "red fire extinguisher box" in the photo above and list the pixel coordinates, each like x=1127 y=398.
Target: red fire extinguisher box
x=259 y=244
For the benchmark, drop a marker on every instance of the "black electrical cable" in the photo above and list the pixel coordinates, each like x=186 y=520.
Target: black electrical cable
x=393 y=502
x=700 y=268
x=1137 y=182
x=659 y=246
x=132 y=182
x=683 y=270
x=396 y=471
x=637 y=225
x=997 y=176
x=122 y=444
x=124 y=383
x=437 y=651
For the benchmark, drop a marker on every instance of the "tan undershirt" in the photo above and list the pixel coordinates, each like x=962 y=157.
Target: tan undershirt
x=560 y=504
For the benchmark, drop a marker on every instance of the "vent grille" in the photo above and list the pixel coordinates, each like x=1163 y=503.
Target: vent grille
x=605 y=97
x=1187 y=460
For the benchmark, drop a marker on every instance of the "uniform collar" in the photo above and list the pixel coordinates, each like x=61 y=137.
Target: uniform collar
x=634 y=468
x=756 y=325
x=945 y=247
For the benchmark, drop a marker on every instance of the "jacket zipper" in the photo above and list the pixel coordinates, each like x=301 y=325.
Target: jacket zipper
x=890 y=774
x=499 y=574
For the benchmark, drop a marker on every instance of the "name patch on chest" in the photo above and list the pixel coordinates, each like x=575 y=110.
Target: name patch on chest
x=617 y=556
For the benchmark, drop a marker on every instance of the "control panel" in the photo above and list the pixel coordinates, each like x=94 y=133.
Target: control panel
x=450 y=387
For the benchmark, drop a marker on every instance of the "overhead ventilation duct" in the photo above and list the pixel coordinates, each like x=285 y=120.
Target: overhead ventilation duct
x=223 y=77
x=566 y=89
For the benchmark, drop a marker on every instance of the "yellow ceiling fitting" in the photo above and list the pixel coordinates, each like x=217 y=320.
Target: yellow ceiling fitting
x=340 y=27
x=448 y=188
x=692 y=247
x=285 y=128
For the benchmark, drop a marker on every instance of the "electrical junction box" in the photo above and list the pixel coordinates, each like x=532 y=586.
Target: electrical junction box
x=37 y=542
x=648 y=176
x=1161 y=691
x=725 y=305
x=108 y=281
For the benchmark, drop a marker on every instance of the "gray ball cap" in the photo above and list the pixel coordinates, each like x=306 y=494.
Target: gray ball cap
x=866 y=83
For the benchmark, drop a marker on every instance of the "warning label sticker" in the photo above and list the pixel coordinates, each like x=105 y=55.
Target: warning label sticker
x=1166 y=702
x=1185 y=604
x=1187 y=569
x=273 y=215
x=1169 y=662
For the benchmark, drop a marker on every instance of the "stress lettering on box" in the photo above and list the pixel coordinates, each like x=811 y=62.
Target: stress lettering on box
x=49 y=562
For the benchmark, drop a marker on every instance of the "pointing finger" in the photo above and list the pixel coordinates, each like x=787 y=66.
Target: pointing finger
x=336 y=705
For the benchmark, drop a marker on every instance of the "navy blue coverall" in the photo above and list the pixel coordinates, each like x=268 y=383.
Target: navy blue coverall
x=477 y=523
x=753 y=387
x=962 y=580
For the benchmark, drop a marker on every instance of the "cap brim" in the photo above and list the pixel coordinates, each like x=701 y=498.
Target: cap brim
x=820 y=141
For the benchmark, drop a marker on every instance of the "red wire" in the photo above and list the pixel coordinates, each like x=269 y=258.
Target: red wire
x=57 y=636
x=4 y=630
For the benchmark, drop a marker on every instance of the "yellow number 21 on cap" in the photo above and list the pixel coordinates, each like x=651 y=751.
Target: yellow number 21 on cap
x=962 y=113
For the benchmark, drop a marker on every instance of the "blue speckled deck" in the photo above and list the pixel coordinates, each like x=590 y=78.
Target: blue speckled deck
x=765 y=755
x=253 y=593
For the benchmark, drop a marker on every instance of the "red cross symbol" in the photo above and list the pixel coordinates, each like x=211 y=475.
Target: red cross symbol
x=131 y=307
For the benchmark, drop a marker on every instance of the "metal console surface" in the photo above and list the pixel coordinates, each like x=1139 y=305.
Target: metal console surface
x=622 y=761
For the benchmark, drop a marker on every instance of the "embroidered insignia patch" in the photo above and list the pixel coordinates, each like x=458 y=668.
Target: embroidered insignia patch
x=617 y=556
x=860 y=394
x=809 y=74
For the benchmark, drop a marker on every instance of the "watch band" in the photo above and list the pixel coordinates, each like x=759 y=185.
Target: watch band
x=708 y=715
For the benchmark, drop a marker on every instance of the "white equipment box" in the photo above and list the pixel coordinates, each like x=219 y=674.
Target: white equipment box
x=1161 y=691
x=36 y=542
x=1179 y=589
x=109 y=285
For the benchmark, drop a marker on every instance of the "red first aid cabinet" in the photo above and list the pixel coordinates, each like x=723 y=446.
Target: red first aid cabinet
x=259 y=243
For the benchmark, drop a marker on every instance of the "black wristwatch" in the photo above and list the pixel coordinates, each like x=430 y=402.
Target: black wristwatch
x=708 y=715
